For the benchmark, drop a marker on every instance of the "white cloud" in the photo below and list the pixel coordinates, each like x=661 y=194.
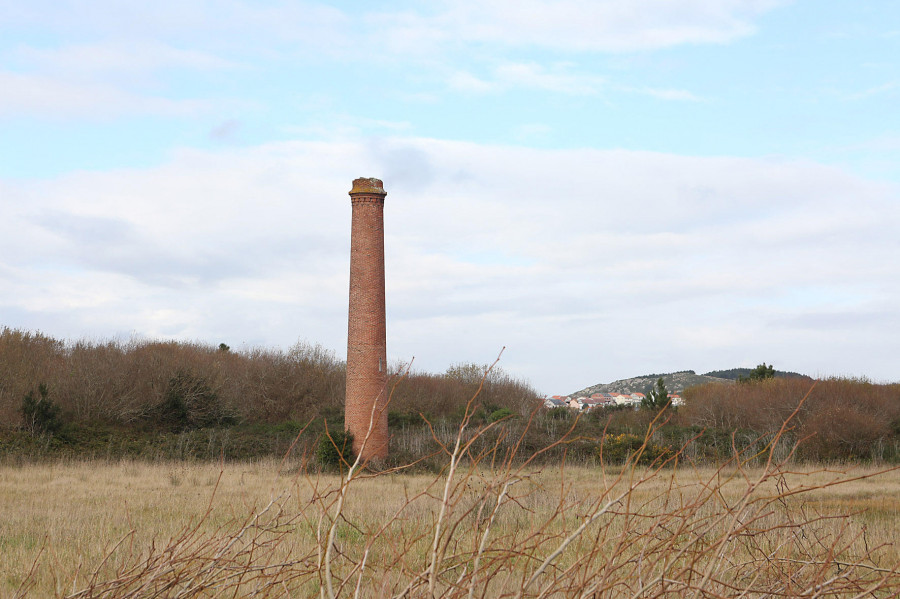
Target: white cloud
x=532 y=75
x=577 y=260
x=558 y=79
x=527 y=131
x=102 y=80
x=877 y=90
x=880 y=144
x=108 y=59
x=678 y=95
x=423 y=28
x=469 y=83
x=129 y=58
x=222 y=25
x=35 y=94
x=116 y=57
x=583 y=25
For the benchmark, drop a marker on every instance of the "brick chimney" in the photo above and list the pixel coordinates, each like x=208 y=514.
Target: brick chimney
x=366 y=344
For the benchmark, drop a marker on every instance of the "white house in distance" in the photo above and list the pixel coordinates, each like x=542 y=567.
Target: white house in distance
x=600 y=400
x=580 y=404
x=556 y=402
x=627 y=399
x=577 y=403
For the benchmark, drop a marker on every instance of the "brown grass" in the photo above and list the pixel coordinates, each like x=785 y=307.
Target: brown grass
x=488 y=526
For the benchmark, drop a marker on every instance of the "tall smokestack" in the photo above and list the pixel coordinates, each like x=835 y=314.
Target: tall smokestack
x=366 y=343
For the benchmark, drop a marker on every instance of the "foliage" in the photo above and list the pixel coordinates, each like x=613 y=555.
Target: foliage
x=335 y=449
x=737 y=373
x=107 y=442
x=40 y=415
x=659 y=375
x=190 y=403
x=500 y=414
x=125 y=383
x=405 y=419
x=656 y=398
x=760 y=373
x=617 y=449
x=168 y=400
x=559 y=413
x=839 y=419
x=469 y=373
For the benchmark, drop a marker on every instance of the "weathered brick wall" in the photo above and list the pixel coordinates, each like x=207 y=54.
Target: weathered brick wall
x=366 y=339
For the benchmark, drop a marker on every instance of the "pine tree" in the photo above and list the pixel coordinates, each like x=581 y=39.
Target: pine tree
x=657 y=398
x=760 y=373
x=41 y=415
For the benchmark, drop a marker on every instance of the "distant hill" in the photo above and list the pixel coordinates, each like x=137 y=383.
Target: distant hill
x=734 y=373
x=676 y=382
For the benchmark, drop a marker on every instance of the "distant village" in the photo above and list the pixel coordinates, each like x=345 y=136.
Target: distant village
x=602 y=400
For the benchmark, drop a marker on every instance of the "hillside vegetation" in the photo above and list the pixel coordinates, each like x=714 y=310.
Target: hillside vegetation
x=170 y=400
x=734 y=374
x=837 y=419
x=178 y=399
x=676 y=382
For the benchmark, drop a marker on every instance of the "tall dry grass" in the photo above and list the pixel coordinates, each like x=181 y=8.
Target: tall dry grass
x=492 y=524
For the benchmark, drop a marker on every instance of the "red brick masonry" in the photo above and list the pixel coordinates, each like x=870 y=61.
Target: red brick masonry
x=366 y=343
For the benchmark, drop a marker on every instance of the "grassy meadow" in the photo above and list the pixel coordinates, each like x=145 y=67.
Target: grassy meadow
x=153 y=469
x=140 y=529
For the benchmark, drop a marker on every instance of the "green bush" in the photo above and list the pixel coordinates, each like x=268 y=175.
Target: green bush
x=190 y=403
x=405 y=419
x=500 y=414
x=335 y=449
x=617 y=449
x=560 y=413
x=40 y=415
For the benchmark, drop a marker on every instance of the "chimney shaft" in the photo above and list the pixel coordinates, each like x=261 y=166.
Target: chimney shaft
x=366 y=334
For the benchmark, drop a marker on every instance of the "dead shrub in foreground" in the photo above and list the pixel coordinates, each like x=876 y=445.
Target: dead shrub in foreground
x=489 y=526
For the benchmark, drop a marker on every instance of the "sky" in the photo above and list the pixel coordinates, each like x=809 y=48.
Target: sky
x=606 y=188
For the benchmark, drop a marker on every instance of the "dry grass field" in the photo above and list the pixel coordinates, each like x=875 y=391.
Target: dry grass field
x=133 y=529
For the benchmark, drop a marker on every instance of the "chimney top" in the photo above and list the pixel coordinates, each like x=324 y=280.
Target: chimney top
x=368 y=185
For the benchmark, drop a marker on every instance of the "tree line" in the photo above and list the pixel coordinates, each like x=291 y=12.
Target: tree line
x=167 y=399
x=147 y=388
